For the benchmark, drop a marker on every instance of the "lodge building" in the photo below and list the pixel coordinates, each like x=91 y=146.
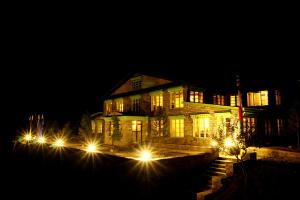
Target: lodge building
x=182 y=115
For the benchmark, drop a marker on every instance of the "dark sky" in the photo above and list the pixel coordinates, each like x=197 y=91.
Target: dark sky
x=64 y=66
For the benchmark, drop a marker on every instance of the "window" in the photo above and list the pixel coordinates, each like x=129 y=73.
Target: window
x=200 y=127
x=177 y=128
x=249 y=125
x=93 y=124
x=219 y=99
x=136 y=84
x=119 y=105
x=257 y=98
x=135 y=105
x=158 y=127
x=99 y=127
x=277 y=97
x=234 y=100
x=108 y=107
x=279 y=126
x=156 y=101
x=136 y=126
x=196 y=96
x=137 y=129
x=177 y=99
x=268 y=127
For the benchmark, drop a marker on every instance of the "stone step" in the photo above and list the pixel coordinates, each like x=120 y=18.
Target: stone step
x=217 y=169
x=216 y=164
x=216 y=173
x=222 y=161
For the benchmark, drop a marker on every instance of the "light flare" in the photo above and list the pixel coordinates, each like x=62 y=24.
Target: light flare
x=91 y=148
x=59 y=142
x=228 y=142
x=41 y=140
x=214 y=143
x=28 y=137
x=145 y=155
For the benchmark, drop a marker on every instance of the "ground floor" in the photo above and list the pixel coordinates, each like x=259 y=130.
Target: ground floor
x=193 y=129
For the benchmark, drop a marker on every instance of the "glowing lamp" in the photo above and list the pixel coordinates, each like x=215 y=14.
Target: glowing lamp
x=91 y=148
x=145 y=156
x=228 y=142
x=28 y=137
x=41 y=140
x=59 y=143
x=214 y=143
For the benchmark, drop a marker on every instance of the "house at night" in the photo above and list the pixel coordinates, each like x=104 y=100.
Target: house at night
x=177 y=114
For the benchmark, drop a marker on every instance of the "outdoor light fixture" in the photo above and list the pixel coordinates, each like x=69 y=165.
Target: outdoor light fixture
x=41 y=140
x=145 y=155
x=214 y=143
x=28 y=137
x=59 y=142
x=228 y=142
x=91 y=148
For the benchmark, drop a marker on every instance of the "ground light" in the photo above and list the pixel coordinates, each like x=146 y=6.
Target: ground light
x=214 y=143
x=41 y=140
x=59 y=142
x=91 y=148
x=228 y=142
x=145 y=155
x=27 y=137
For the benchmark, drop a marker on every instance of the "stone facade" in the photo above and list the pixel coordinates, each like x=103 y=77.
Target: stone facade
x=188 y=113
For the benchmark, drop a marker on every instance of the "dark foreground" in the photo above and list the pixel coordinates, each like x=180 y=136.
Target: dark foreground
x=36 y=173
x=266 y=180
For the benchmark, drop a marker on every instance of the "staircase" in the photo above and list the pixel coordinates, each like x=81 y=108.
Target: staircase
x=219 y=169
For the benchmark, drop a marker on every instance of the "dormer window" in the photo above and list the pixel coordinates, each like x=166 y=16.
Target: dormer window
x=136 y=83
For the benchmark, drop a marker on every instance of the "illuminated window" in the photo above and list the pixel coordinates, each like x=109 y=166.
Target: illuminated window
x=196 y=96
x=99 y=127
x=219 y=99
x=277 y=97
x=177 y=128
x=177 y=99
x=108 y=107
x=158 y=127
x=234 y=100
x=257 y=98
x=136 y=129
x=119 y=105
x=136 y=105
x=249 y=125
x=156 y=101
x=279 y=126
x=93 y=124
x=200 y=127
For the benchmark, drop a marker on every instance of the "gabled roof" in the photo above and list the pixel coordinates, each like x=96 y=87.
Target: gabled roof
x=149 y=81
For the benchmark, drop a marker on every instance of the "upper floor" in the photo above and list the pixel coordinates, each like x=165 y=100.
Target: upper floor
x=144 y=94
